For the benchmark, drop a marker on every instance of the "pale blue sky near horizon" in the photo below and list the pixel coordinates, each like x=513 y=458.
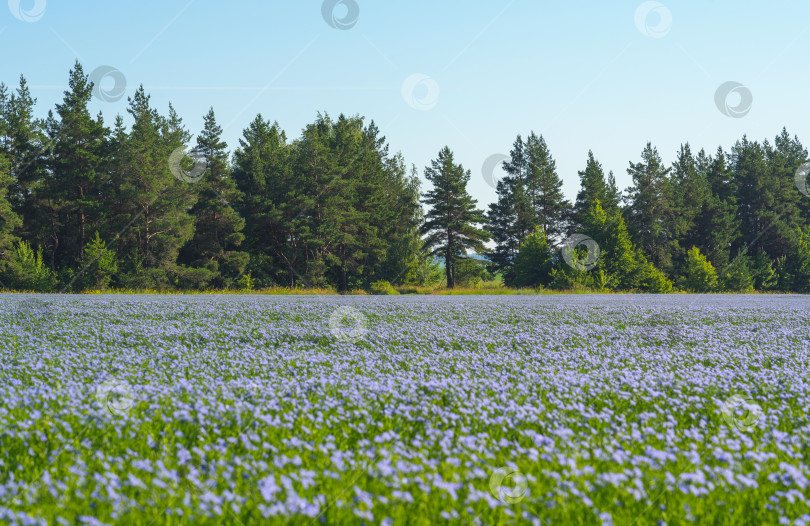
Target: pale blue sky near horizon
x=585 y=75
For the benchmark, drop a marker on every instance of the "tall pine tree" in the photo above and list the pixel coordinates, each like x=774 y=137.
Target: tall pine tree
x=217 y=226
x=451 y=223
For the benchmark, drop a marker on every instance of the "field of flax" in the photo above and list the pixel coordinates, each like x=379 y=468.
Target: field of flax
x=146 y=410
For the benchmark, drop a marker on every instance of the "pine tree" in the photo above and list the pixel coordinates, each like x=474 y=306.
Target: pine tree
x=617 y=255
x=271 y=203
x=688 y=190
x=793 y=269
x=217 y=226
x=756 y=197
x=533 y=265
x=509 y=219
x=649 y=207
x=451 y=222
x=154 y=219
x=26 y=149
x=784 y=159
x=9 y=221
x=72 y=193
x=549 y=208
x=593 y=187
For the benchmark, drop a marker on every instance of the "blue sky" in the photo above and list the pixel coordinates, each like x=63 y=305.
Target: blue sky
x=585 y=75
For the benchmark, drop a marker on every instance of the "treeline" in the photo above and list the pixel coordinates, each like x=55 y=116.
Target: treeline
x=88 y=206
x=733 y=221
x=85 y=205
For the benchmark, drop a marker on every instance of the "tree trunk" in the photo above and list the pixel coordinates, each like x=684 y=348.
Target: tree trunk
x=343 y=285
x=448 y=271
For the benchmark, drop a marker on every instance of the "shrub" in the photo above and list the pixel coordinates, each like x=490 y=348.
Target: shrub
x=26 y=270
x=98 y=266
x=532 y=266
x=737 y=275
x=471 y=272
x=699 y=274
x=245 y=282
x=383 y=288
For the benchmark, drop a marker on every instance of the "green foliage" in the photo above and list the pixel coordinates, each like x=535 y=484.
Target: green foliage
x=793 y=271
x=471 y=272
x=423 y=271
x=762 y=272
x=594 y=187
x=27 y=271
x=217 y=226
x=620 y=266
x=382 y=288
x=650 y=204
x=98 y=266
x=737 y=276
x=698 y=273
x=451 y=223
x=529 y=196
x=9 y=221
x=333 y=208
x=533 y=265
x=245 y=282
x=652 y=280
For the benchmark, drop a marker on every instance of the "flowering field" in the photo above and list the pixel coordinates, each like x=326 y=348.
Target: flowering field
x=408 y=410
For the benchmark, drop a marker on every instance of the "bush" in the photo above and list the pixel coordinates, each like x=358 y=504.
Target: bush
x=737 y=276
x=27 y=271
x=653 y=280
x=699 y=275
x=532 y=266
x=383 y=288
x=98 y=266
x=762 y=272
x=245 y=282
x=471 y=272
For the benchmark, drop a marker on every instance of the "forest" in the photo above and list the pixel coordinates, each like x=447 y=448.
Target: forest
x=91 y=206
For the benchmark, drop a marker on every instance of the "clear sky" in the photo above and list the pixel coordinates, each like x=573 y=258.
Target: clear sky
x=601 y=75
